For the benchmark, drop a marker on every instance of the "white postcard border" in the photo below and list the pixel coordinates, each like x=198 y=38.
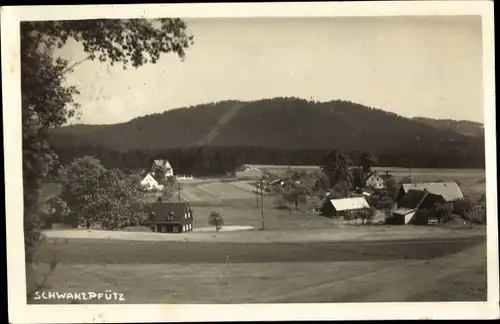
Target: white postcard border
x=20 y=312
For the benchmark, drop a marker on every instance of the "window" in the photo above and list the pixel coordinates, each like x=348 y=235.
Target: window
x=171 y=217
x=176 y=229
x=164 y=229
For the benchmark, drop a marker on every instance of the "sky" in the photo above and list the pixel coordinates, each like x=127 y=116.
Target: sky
x=412 y=66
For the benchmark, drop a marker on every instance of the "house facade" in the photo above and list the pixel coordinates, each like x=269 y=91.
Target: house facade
x=171 y=217
x=149 y=183
x=339 y=207
x=373 y=180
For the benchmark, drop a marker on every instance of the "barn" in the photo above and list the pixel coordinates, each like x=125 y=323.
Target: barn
x=338 y=207
x=171 y=217
x=416 y=207
x=448 y=190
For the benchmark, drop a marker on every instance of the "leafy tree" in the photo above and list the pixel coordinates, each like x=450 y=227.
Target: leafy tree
x=121 y=202
x=294 y=195
x=168 y=190
x=358 y=178
x=82 y=188
x=366 y=215
x=47 y=102
x=100 y=196
x=215 y=219
x=336 y=168
x=368 y=159
x=392 y=187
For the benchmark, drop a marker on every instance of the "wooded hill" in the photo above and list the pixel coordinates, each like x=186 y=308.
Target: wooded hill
x=464 y=127
x=279 y=131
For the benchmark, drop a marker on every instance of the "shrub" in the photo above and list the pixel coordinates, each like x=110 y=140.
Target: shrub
x=215 y=219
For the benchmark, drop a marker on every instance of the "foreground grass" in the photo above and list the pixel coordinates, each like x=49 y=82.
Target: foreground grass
x=457 y=277
x=94 y=251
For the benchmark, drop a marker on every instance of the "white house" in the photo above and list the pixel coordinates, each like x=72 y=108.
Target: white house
x=375 y=181
x=150 y=183
x=165 y=165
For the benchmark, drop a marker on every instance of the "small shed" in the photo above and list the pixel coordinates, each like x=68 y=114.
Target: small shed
x=338 y=207
x=171 y=217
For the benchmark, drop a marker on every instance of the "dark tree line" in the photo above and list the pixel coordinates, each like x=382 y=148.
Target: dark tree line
x=210 y=161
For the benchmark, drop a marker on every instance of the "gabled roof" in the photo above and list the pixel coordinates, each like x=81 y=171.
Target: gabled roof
x=150 y=175
x=420 y=199
x=161 y=163
x=412 y=199
x=402 y=211
x=161 y=211
x=449 y=190
x=371 y=174
x=349 y=203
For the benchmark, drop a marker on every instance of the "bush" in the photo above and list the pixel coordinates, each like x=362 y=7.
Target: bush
x=215 y=219
x=462 y=205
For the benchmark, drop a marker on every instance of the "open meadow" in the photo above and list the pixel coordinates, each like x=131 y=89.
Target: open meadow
x=299 y=257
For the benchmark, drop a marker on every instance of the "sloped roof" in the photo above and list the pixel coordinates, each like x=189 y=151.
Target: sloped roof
x=412 y=198
x=449 y=190
x=151 y=175
x=402 y=211
x=349 y=203
x=372 y=174
x=161 y=211
x=418 y=198
x=161 y=163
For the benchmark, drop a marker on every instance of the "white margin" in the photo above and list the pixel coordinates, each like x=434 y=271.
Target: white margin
x=20 y=312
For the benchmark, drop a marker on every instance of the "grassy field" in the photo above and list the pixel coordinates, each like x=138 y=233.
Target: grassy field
x=254 y=266
x=165 y=272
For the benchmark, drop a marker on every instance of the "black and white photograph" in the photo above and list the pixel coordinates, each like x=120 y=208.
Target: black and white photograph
x=240 y=162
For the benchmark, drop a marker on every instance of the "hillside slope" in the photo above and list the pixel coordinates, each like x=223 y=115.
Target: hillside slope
x=286 y=123
x=464 y=127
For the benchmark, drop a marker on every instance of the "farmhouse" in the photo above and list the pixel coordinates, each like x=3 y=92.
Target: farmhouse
x=338 y=207
x=164 y=166
x=373 y=180
x=171 y=217
x=149 y=182
x=416 y=207
x=449 y=190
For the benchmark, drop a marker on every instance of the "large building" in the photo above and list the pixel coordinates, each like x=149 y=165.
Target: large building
x=339 y=207
x=171 y=217
x=449 y=190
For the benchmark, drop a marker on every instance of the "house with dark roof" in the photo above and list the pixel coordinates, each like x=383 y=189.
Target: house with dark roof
x=417 y=207
x=450 y=191
x=171 y=217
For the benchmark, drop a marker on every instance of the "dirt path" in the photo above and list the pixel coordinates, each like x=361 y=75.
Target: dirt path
x=341 y=233
x=424 y=280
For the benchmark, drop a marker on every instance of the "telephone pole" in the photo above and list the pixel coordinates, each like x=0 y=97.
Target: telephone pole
x=262 y=201
x=257 y=196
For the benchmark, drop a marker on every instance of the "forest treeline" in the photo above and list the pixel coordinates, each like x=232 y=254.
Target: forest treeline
x=208 y=161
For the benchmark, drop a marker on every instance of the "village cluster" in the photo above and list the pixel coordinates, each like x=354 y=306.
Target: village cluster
x=416 y=203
